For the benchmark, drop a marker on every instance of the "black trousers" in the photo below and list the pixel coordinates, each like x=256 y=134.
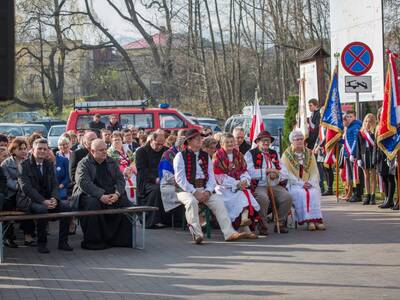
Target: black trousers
x=151 y=196
x=39 y=208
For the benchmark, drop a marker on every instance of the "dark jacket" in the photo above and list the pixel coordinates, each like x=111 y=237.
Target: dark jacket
x=315 y=119
x=86 y=175
x=244 y=147
x=35 y=187
x=10 y=169
x=96 y=126
x=114 y=127
x=75 y=158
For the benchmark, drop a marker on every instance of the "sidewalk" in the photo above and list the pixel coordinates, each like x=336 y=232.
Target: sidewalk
x=358 y=257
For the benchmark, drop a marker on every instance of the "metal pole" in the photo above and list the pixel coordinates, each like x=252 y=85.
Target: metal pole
x=1 y=243
x=358 y=105
x=134 y=220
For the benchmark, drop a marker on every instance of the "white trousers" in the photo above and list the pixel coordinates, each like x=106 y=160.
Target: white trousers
x=217 y=206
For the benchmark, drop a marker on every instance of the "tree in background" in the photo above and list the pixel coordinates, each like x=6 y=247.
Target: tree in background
x=290 y=119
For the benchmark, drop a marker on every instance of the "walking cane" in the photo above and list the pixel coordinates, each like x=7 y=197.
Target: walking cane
x=274 y=209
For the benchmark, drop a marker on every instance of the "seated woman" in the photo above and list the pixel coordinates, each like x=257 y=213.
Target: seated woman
x=62 y=167
x=124 y=158
x=233 y=182
x=303 y=182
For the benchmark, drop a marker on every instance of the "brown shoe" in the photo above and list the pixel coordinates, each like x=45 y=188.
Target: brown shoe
x=262 y=230
x=198 y=240
x=320 y=226
x=311 y=227
x=236 y=236
x=251 y=236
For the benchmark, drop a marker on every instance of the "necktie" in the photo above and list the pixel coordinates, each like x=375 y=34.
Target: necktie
x=41 y=169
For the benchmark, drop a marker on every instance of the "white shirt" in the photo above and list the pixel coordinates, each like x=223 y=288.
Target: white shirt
x=259 y=174
x=180 y=174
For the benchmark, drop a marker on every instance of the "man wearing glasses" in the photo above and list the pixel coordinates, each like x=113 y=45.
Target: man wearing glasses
x=264 y=168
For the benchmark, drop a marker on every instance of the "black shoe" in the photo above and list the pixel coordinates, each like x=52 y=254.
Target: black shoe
x=64 y=246
x=329 y=192
x=355 y=198
x=30 y=243
x=396 y=207
x=10 y=244
x=282 y=229
x=367 y=200
x=43 y=249
x=387 y=204
x=372 y=201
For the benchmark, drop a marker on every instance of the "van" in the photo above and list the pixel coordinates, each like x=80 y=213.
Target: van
x=129 y=112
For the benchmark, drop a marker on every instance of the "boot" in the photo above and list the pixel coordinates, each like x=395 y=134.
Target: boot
x=396 y=207
x=388 y=203
x=355 y=198
x=367 y=199
x=372 y=201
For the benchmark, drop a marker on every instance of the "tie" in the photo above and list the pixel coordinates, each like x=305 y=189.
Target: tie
x=41 y=169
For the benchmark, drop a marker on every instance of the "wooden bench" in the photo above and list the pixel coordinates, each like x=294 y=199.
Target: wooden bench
x=130 y=212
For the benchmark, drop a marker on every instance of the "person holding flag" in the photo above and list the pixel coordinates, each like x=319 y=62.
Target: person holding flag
x=350 y=152
x=333 y=122
x=388 y=135
x=257 y=123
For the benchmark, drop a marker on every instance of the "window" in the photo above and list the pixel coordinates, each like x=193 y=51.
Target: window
x=84 y=120
x=170 y=121
x=57 y=131
x=139 y=120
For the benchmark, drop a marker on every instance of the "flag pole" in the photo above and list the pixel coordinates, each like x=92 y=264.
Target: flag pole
x=337 y=56
x=398 y=179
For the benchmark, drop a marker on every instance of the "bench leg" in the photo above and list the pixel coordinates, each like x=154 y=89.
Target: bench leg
x=143 y=229
x=133 y=221
x=1 y=243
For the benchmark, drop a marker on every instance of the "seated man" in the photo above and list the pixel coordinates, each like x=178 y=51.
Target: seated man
x=148 y=183
x=101 y=185
x=303 y=182
x=194 y=176
x=233 y=182
x=38 y=194
x=264 y=169
x=166 y=174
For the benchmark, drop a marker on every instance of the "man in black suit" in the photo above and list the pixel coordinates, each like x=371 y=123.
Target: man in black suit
x=128 y=139
x=39 y=194
x=78 y=154
x=313 y=123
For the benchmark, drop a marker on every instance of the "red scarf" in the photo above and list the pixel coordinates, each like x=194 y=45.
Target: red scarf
x=234 y=169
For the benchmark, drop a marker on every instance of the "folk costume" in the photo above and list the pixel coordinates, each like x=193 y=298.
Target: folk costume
x=366 y=149
x=230 y=170
x=167 y=179
x=194 y=172
x=301 y=168
x=257 y=164
x=124 y=159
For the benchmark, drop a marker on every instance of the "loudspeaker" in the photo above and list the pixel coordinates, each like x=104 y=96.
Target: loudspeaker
x=7 y=49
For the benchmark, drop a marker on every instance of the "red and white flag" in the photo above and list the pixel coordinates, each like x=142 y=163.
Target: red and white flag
x=257 y=123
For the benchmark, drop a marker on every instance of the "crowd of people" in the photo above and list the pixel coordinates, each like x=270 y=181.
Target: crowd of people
x=107 y=167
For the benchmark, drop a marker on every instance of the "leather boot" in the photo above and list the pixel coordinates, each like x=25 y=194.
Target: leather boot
x=388 y=203
x=367 y=199
x=372 y=201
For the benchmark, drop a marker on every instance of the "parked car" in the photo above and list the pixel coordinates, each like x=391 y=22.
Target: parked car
x=11 y=129
x=31 y=128
x=265 y=109
x=49 y=122
x=234 y=121
x=129 y=112
x=54 y=134
x=210 y=122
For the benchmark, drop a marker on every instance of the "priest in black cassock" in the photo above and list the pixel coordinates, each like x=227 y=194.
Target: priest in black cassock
x=148 y=182
x=101 y=185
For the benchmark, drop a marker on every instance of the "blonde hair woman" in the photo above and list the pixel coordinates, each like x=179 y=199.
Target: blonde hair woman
x=366 y=156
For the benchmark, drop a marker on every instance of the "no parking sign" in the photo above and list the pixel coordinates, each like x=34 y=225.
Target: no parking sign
x=357 y=58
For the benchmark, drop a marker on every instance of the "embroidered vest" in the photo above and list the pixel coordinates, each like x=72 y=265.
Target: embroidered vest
x=190 y=165
x=258 y=159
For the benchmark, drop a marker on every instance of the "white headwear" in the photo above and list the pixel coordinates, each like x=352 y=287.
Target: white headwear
x=295 y=134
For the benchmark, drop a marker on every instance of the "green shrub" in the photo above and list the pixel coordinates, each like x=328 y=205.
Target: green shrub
x=290 y=119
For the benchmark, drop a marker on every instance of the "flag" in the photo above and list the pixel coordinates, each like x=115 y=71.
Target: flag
x=388 y=132
x=257 y=123
x=302 y=124
x=332 y=118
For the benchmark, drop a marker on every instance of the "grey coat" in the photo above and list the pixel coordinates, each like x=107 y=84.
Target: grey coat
x=85 y=176
x=10 y=169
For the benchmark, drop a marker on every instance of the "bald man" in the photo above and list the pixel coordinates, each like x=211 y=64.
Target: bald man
x=78 y=154
x=101 y=185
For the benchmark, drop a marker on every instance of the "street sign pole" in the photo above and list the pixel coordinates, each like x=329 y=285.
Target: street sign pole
x=358 y=105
